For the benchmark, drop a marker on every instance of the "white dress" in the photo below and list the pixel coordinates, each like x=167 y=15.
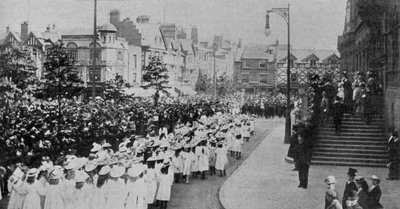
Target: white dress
x=18 y=192
x=237 y=145
x=115 y=194
x=151 y=183
x=136 y=196
x=177 y=163
x=203 y=159
x=195 y=163
x=164 y=190
x=81 y=198
x=32 y=199
x=187 y=162
x=54 y=197
x=222 y=158
x=69 y=189
x=98 y=198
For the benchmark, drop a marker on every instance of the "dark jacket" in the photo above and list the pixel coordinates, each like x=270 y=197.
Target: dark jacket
x=337 y=111
x=302 y=154
x=348 y=187
x=373 y=198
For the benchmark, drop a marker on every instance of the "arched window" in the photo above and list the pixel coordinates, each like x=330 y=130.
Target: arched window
x=72 y=49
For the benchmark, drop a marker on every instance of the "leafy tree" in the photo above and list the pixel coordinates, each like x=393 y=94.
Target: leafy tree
x=225 y=85
x=61 y=78
x=203 y=83
x=156 y=76
x=113 y=90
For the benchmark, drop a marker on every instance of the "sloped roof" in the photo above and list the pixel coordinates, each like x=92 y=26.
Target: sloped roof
x=257 y=52
x=186 y=45
x=148 y=32
x=239 y=54
x=108 y=27
x=38 y=39
x=302 y=54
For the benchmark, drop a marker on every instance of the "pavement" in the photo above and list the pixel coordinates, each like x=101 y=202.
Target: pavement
x=203 y=194
x=265 y=181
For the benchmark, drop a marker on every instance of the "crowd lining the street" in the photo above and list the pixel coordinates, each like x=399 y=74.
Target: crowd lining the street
x=107 y=155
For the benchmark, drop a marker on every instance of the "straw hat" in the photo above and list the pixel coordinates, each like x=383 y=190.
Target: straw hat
x=105 y=170
x=32 y=172
x=117 y=171
x=96 y=147
x=90 y=166
x=136 y=170
x=80 y=176
x=55 y=174
x=330 y=180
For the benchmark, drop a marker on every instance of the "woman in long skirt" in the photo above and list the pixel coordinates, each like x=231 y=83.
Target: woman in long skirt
x=221 y=159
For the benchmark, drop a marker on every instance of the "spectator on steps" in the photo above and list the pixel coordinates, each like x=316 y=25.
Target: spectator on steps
x=324 y=107
x=357 y=99
x=337 y=113
x=394 y=156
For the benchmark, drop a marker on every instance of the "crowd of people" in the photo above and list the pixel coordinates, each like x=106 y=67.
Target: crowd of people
x=92 y=155
x=265 y=105
x=357 y=193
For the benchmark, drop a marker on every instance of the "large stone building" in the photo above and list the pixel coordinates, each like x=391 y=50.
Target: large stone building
x=370 y=42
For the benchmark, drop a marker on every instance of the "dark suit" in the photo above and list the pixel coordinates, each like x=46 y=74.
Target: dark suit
x=373 y=198
x=348 y=187
x=302 y=156
x=337 y=113
x=393 y=149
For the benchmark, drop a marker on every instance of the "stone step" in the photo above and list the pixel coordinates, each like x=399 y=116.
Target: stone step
x=351 y=138
x=349 y=142
x=352 y=129
x=352 y=126
x=349 y=134
x=350 y=150
x=350 y=159
x=360 y=147
x=346 y=164
x=350 y=122
x=352 y=154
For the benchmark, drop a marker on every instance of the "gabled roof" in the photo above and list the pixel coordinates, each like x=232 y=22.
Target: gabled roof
x=302 y=54
x=292 y=57
x=257 y=52
x=38 y=41
x=331 y=57
x=15 y=35
x=149 y=32
x=187 y=45
x=312 y=56
x=239 y=54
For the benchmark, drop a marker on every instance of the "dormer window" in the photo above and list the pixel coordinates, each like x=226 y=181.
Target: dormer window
x=313 y=63
x=263 y=64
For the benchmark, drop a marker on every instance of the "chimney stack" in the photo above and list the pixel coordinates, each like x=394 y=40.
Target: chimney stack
x=7 y=28
x=24 y=30
x=54 y=27
x=48 y=28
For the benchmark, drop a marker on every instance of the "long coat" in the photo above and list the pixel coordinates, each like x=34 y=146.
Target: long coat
x=347 y=189
x=373 y=198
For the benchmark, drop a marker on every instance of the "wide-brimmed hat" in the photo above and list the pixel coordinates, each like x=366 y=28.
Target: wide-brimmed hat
x=106 y=145
x=80 y=176
x=352 y=172
x=32 y=172
x=55 y=173
x=105 y=170
x=90 y=166
x=330 y=180
x=375 y=177
x=96 y=147
x=136 y=170
x=117 y=171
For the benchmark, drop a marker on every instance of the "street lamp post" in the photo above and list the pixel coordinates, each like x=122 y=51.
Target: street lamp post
x=285 y=14
x=94 y=50
x=215 y=72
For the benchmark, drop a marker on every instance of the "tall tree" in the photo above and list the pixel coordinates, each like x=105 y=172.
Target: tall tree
x=203 y=83
x=113 y=90
x=156 y=76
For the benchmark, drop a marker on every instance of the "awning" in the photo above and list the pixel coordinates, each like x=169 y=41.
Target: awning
x=186 y=90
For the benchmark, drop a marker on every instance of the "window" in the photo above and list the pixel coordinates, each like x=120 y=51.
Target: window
x=135 y=60
x=120 y=56
x=96 y=72
x=293 y=77
x=313 y=63
x=263 y=64
x=264 y=78
x=73 y=54
x=245 y=78
x=98 y=54
x=246 y=64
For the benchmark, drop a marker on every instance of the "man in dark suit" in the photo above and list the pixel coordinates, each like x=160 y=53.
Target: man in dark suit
x=350 y=186
x=374 y=194
x=393 y=150
x=302 y=156
x=337 y=113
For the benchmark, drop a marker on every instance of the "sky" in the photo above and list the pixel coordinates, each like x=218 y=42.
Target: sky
x=314 y=23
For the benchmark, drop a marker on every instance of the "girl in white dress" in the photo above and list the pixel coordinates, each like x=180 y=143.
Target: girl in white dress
x=116 y=189
x=98 y=198
x=195 y=164
x=246 y=131
x=34 y=189
x=166 y=179
x=54 y=191
x=187 y=163
x=177 y=165
x=221 y=159
x=202 y=155
x=17 y=189
x=237 y=146
x=136 y=188
x=151 y=181
x=81 y=195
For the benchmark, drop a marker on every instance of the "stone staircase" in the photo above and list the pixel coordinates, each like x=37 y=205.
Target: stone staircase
x=358 y=144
